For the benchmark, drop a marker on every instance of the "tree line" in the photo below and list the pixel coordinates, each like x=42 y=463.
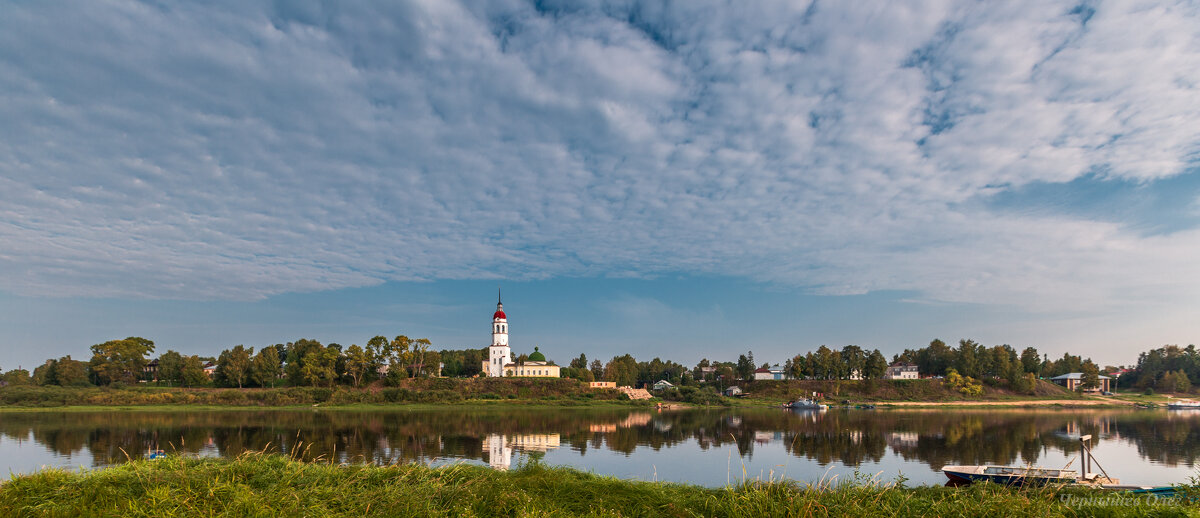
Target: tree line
x=308 y=362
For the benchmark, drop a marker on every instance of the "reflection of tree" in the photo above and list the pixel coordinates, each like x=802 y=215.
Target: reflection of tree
x=936 y=438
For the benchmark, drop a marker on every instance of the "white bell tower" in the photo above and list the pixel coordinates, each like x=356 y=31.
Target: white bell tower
x=499 y=353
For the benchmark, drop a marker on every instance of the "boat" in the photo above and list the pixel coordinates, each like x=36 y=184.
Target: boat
x=1010 y=475
x=806 y=404
x=1183 y=403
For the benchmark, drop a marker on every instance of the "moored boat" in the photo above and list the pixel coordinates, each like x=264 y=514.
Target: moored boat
x=1183 y=403
x=806 y=404
x=1010 y=475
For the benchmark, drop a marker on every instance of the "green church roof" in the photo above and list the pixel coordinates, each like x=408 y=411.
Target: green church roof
x=537 y=356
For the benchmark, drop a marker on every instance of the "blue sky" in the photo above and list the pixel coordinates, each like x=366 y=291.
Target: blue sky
x=679 y=179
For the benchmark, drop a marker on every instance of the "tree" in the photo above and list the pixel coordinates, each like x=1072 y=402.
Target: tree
x=420 y=348
x=233 y=365
x=597 y=370
x=967 y=358
x=623 y=370
x=1031 y=361
x=745 y=367
x=580 y=362
x=120 y=360
x=854 y=361
x=1091 y=376
x=17 y=376
x=320 y=366
x=396 y=354
x=170 y=367
x=297 y=354
x=44 y=373
x=265 y=367
x=69 y=372
x=357 y=363
x=875 y=366
x=192 y=372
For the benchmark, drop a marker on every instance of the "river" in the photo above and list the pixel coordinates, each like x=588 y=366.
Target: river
x=707 y=447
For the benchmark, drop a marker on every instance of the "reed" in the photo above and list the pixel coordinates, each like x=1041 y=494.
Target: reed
x=259 y=484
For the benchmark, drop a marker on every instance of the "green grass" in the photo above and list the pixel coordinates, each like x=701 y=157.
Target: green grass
x=268 y=485
x=439 y=391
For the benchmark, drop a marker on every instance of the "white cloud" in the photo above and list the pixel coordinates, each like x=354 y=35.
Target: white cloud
x=196 y=152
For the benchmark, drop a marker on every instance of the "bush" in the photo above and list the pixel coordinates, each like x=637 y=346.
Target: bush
x=1148 y=392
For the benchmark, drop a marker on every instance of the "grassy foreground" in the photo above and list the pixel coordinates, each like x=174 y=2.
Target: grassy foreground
x=265 y=485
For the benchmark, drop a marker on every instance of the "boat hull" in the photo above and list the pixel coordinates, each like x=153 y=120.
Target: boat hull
x=1009 y=476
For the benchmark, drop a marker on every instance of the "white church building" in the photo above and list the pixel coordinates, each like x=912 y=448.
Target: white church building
x=500 y=362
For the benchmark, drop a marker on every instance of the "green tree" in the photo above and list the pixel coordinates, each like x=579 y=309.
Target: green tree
x=320 y=366
x=745 y=367
x=297 y=355
x=597 y=370
x=120 y=360
x=1091 y=376
x=265 y=369
x=170 y=367
x=580 y=362
x=1031 y=361
x=854 y=361
x=357 y=363
x=192 y=372
x=967 y=358
x=17 y=376
x=875 y=366
x=233 y=365
x=44 y=373
x=69 y=372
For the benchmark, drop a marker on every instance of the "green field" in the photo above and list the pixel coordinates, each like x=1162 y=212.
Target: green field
x=265 y=485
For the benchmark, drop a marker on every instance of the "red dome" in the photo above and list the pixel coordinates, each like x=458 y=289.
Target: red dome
x=498 y=314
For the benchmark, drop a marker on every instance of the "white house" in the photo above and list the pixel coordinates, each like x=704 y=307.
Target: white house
x=902 y=371
x=774 y=372
x=662 y=385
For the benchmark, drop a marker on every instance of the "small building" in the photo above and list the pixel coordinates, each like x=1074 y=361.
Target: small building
x=733 y=391
x=210 y=368
x=774 y=372
x=602 y=384
x=535 y=367
x=1072 y=380
x=150 y=370
x=662 y=385
x=902 y=371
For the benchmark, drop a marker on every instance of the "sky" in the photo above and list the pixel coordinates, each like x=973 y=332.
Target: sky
x=676 y=179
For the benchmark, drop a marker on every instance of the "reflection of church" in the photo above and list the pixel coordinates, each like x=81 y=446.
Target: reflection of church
x=500 y=362
x=500 y=447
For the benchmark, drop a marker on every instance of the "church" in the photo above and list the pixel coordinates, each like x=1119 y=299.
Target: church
x=500 y=362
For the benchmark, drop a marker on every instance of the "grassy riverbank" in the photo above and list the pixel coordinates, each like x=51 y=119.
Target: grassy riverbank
x=922 y=391
x=437 y=391
x=257 y=485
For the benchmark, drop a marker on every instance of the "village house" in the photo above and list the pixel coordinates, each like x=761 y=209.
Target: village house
x=662 y=385
x=901 y=371
x=1072 y=381
x=774 y=372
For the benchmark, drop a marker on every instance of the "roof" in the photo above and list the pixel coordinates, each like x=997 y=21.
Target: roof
x=664 y=382
x=762 y=370
x=537 y=356
x=1075 y=376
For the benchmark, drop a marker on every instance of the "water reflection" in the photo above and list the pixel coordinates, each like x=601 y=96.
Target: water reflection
x=928 y=438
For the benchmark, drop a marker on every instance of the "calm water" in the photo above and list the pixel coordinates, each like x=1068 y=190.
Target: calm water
x=697 y=446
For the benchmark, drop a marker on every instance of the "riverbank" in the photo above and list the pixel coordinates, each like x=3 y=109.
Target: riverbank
x=258 y=485
x=436 y=391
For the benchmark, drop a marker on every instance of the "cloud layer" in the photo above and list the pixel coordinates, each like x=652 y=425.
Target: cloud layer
x=239 y=151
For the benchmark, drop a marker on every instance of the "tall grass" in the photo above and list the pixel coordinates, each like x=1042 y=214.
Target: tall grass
x=273 y=485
